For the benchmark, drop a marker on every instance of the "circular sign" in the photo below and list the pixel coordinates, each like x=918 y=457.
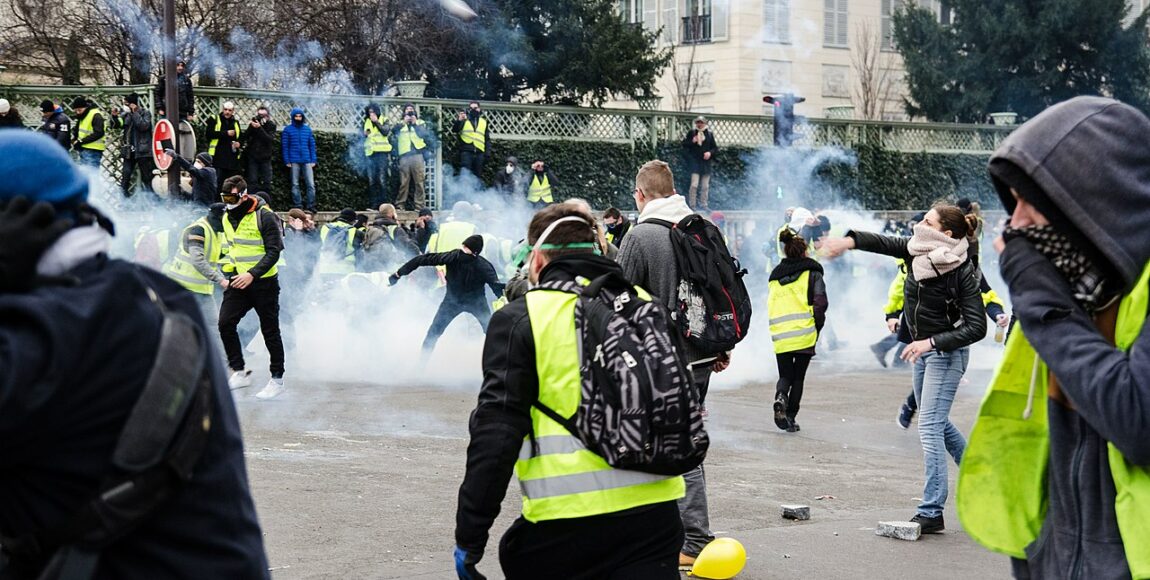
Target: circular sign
x=163 y=138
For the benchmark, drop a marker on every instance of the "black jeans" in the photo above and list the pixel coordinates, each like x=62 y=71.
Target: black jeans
x=377 y=166
x=792 y=373
x=223 y=173
x=264 y=296
x=640 y=544
x=260 y=175
x=473 y=162
x=145 y=165
x=448 y=310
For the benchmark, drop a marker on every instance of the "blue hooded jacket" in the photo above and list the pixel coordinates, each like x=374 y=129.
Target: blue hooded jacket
x=297 y=141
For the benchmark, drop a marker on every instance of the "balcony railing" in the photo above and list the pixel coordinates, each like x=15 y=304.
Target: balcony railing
x=696 y=29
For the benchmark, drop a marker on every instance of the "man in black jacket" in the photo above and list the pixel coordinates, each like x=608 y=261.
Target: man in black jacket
x=56 y=124
x=185 y=95
x=223 y=134
x=74 y=359
x=203 y=177
x=137 y=145
x=699 y=147
x=259 y=147
x=467 y=274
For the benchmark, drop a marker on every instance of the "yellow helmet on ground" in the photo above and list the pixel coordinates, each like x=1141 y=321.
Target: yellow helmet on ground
x=721 y=559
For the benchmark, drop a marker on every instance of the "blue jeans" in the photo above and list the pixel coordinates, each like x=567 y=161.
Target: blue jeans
x=309 y=181
x=936 y=378
x=90 y=157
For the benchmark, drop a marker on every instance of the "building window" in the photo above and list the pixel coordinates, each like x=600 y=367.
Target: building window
x=777 y=21
x=631 y=10
x=835 y=23
x=696 y=22
x=889 y=7
x=836 y=81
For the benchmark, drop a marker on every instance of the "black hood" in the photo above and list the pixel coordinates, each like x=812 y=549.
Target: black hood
x=789 y=268
x=1085 y=164
x=587 y=265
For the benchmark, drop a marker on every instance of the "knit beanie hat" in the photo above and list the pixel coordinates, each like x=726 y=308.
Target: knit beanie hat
x=347 y=214
x=205 y=158
x=79 y=102
x=4 y=106
x=474 y=243
x=132 y=99
x=47 y=106
x=36 y=167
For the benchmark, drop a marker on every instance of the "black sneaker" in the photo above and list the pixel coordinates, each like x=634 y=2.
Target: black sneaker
x=879 y=353
x=781 y=412
x=793 y=427
x=929 y=525
x=905 y=414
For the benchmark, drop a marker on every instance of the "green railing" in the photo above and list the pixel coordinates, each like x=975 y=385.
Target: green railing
x=515 y=121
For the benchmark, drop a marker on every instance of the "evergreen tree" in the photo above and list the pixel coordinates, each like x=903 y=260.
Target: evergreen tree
x=1020 y=56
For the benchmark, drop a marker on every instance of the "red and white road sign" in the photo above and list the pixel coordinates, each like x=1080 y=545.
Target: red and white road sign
x=163 y=137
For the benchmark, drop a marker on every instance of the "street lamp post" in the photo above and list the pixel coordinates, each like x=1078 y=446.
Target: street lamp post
x=171 y=90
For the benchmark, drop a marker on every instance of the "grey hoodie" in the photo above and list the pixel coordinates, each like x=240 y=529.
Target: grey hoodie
x=1091 y=158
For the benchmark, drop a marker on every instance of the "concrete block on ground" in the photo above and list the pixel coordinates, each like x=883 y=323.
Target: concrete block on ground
x=796 y=512
x=909 y=531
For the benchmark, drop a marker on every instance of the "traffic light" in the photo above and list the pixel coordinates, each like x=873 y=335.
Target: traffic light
x=784 y=117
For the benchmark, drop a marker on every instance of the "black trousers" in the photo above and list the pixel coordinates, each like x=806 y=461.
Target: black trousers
x=259 y=175
x=473 y=162
x=634 y=545
x=377 y=166
x=223 y=173
x=144 y=165
x=792 y=373
x=264 y=296
x=448 y=310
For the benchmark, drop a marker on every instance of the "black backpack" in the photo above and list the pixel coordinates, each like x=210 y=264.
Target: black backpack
x=712 y=309
x=640 y=409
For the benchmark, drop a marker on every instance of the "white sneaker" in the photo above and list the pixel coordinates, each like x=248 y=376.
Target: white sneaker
x=273 y=389
x=240 y=379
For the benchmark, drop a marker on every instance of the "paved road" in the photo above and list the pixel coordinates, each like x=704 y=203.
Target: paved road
x=358 y=480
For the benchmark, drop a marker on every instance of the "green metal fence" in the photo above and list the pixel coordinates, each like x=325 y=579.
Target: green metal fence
x=514 y=121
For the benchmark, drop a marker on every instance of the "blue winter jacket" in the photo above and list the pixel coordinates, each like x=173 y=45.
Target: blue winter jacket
x=297 y=141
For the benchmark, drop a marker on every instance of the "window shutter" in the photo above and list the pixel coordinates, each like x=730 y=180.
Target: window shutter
x=841 y=34
x=650 y=16
x=829 y=22
x=719 y=13
x=671 y=22
x=771 y=21
x=784 y=20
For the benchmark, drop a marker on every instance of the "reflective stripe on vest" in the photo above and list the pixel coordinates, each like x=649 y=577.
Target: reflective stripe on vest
x=474 y=134
x=332 y=260
x=407 y=140
x=84 y=129
x=792 y=318
x=245 y=244
x=219 y=127
x=182 y=269
x=559 y=477
x=376 y=141
x=540 y=189
x=1002 y=485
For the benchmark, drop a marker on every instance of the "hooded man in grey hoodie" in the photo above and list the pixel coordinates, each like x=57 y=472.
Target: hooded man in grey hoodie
x=648 y=260
x=1070 y=498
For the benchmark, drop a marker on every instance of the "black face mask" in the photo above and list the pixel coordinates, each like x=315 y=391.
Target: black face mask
x=473 y=114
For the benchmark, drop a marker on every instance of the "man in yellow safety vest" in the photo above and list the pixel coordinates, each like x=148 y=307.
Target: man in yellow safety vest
x=411 y=141
x=540 y=190
x=377 y=151
x=1056 y=474
x=625 y=523
x=88 y=132
x=196 y=262
x=471 y=126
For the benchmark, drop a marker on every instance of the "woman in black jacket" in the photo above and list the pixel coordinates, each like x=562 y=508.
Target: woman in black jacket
x=942 y=316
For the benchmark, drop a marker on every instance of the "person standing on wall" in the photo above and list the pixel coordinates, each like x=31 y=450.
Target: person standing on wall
x=224 y=142
x=137 y=147
x=297 y=145
x=541 y=187
x=88 y=132
x=471 y=126
x=377 y=151
x=699 y=148
x=186 y=107
x=411 y=140
x=259 y=146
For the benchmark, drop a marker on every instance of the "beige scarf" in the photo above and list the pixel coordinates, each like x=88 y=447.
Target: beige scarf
x=935 y=253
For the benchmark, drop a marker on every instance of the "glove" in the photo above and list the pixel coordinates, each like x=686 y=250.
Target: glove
x=465 y=565
x=170 y=152
x=393 y=279
x=26 y=232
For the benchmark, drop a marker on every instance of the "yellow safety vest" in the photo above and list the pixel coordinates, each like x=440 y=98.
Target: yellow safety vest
x=895 y=294
x=328 y=263
x=540 y=190
x=376 y=141
x=359 y=281
x=219 y=127
x=559 y=477
x=84 y=129
x=1002 y=482
x=408 y=140
x=474 y=134
x=163 y=242
x=246 y=245
x=181 y=268
x=790 y=314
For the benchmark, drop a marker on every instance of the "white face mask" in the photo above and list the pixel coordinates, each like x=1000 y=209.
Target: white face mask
x=198 y=165
x=510 y=169
x=231 y=206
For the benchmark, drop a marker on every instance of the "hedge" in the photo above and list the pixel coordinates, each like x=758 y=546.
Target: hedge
x=744 y=178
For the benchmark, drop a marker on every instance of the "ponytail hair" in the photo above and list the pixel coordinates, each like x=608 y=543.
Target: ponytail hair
x=794 y=246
